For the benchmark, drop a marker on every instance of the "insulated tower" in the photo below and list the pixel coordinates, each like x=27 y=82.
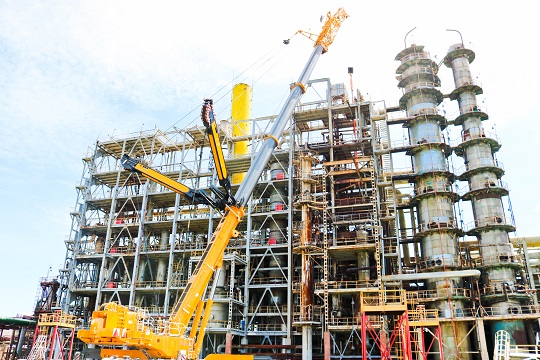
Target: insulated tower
x=433 y=197
x=501 y=289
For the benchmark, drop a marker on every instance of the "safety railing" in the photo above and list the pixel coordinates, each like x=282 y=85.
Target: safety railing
x=150 y=284
x=416 y=70
x=154 y=309
x=357 y=200
x=268 y=280
x=414 y=56
x=308 y=313
x=122 y=250
x=435 y=294
x=193 y=245
x=499 y=259
x=259 y=209
x=403 y=171
x=472 y=109
x=490 y=220
x=438 y=262
x=267 y=327
x=115 y=284
x=59 y=318
x=85 y=285
x=343 y=284
x=268 y=309
x=373 y=298
x=425 y=111
x=179 y=282
x=126 y=220
x=437 y=224
x=421 y=85
x=343 y=321
x=222 y=324
x=315 y=199
x=353 y=217
x=155 y=247
x=412 y=142
x=479 y=164
x=503 y=288
x=478 y=133
x=421 y=314
x=348 y=240
x=435 y=188
x=515 y=309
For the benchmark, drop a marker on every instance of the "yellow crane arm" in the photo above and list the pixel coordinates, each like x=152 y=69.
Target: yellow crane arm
x=329 y=30
x=211 y=260
x=197 y=196
x=209 y=121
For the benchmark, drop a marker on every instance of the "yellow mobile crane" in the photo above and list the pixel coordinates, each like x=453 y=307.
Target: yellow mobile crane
x=129 y=332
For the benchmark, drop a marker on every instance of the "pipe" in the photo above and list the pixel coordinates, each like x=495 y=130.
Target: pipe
x=432 y=275
x=353 y=269
x=240 y=113
x=532 y=241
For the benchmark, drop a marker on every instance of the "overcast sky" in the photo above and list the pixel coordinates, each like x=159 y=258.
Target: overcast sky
x=72 y=72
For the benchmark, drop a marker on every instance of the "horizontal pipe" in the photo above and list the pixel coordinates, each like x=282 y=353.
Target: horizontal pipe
x=532 y=241
x=432 y=275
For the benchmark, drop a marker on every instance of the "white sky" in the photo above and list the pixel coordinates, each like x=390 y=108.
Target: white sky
x=75 y=71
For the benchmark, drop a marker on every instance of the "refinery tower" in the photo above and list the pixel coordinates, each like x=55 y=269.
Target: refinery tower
x=354 y=244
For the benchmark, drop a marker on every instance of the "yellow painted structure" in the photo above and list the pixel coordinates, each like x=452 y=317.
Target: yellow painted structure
x=240 y=114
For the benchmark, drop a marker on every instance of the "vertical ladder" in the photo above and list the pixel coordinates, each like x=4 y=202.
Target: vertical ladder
x=231 y=292
x=325 y=250
x=376 y=228
x=387 y=194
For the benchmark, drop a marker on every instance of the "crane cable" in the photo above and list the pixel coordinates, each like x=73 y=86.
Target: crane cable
x=258 y=64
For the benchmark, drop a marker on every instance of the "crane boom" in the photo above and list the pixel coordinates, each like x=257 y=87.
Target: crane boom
x=197 y=196
x=209 y=121
x=115 y=324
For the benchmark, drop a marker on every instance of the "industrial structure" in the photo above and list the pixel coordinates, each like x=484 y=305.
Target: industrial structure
x=343 y=252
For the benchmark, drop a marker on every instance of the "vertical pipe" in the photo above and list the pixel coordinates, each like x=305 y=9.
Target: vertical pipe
x=20 y=342
x=161 y=271
x=240 y=114
x=290 y=262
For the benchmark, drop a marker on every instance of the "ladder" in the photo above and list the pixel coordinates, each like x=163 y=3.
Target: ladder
x=376 y=228
x=502 y=346
x=325 y=250
x=39 y=349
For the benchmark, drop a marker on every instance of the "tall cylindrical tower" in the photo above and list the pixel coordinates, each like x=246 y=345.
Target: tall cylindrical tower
x=499 y=288
x=433 y=197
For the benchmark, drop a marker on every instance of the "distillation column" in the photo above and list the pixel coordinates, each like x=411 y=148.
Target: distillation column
x=498 y=262
x=433 y=195
x=241 y=126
